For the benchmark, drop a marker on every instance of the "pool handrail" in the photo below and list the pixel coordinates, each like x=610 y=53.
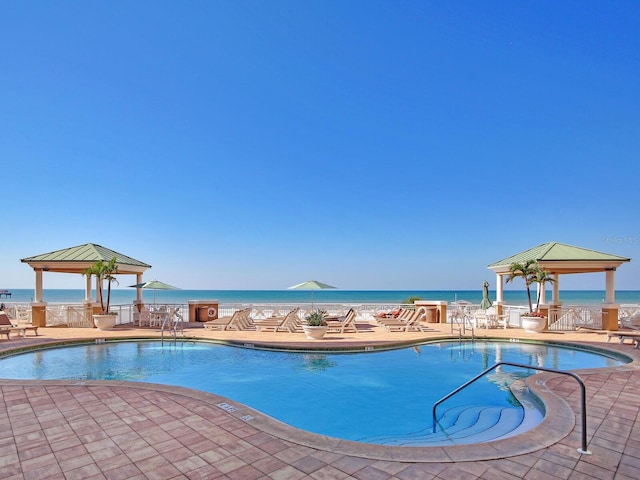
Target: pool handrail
x=583 y=395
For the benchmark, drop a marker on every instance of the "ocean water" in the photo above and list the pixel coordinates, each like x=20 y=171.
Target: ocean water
x=127 y=296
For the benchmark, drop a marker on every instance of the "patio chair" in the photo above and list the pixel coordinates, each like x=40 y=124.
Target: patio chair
x=480 y=319
x=144 y=318
x=344 y=324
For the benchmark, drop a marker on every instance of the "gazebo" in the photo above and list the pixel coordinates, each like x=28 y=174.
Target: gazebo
x=561 y=259
x=77 y=260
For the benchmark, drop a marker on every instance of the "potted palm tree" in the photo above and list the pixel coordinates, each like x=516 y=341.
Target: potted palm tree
x=530 y=272
x=316 y=326
x=104 y=271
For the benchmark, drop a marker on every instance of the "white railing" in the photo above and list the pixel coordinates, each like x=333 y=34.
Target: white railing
x=513 y=313
x=564 y=318
x=363 y=311
x=572 y=317
x=21 y=313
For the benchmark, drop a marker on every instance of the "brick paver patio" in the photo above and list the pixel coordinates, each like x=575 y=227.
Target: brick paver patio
x=122 y=430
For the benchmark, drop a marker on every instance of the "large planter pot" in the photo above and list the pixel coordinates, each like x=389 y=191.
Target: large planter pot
x=314 y=333
x=105 y=322
x=533 y=324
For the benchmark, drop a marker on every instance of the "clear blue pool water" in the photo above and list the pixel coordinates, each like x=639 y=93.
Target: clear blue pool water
x=355 y=396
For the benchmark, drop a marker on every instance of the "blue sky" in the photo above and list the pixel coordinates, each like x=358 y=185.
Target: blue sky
x=367 y=144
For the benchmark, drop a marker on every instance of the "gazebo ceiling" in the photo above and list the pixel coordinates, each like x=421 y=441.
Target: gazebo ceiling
x=77 y=259
x=559 y=258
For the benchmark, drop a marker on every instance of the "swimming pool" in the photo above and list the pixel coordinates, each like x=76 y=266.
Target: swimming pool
x=380 y=397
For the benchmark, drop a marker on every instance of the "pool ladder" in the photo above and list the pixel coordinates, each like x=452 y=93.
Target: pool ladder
x=460 y=327
x=583 y=401
x=172 y=328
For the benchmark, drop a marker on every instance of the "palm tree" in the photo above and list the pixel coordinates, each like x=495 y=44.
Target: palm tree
x=103 y=271
x=527 y=271
x=542 y=278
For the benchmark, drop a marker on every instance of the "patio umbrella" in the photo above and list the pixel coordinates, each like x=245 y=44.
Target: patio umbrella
x=485 y=303
x=155 y=285
x=311 y=285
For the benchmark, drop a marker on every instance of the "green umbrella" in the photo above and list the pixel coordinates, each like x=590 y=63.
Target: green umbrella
x=155 y=285
x=311 y=285
x=485 y=303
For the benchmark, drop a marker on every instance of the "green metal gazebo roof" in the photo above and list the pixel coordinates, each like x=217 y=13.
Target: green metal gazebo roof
x=77 y=259
x=562 y=258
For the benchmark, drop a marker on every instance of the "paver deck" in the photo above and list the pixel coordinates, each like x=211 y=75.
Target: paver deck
x=126 y=430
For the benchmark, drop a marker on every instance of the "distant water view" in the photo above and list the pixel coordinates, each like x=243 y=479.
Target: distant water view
x=127 y=296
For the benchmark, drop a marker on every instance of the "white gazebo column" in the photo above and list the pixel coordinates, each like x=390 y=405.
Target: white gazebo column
x=610 y=308
x=555 y=296
x=553 y=310
x=38 y=292
x=610 y=296
x=499 y=289
x=87 y=289
x=499 y=294
x=138 y=290
x=38 y=306
x=138 y=303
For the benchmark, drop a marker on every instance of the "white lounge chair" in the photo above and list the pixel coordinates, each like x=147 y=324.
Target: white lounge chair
x=272 y=324
x=411 y=324
x=344 y=324
x=291 y=324
x=6 y=325
x=234 y=322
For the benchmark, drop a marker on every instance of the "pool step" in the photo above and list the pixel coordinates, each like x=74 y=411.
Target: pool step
x=466 y=424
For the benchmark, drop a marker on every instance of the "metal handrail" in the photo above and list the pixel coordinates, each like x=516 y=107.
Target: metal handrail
x=461 y=323
x=583 y=400
x=162 y=327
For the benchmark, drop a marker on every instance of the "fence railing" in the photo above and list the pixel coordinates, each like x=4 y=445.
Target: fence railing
x=564 y=318
x=573 y=316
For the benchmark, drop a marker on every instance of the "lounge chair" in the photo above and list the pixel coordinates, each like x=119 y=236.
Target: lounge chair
x=404 y=315
x=631 y=322
x=291 y=324
x=8 y=326
x=242 y=321
x=411 y=324
x=344 y=324
x=272 y=324
x=634 y=336
x=392 y=315
x=231 y=322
